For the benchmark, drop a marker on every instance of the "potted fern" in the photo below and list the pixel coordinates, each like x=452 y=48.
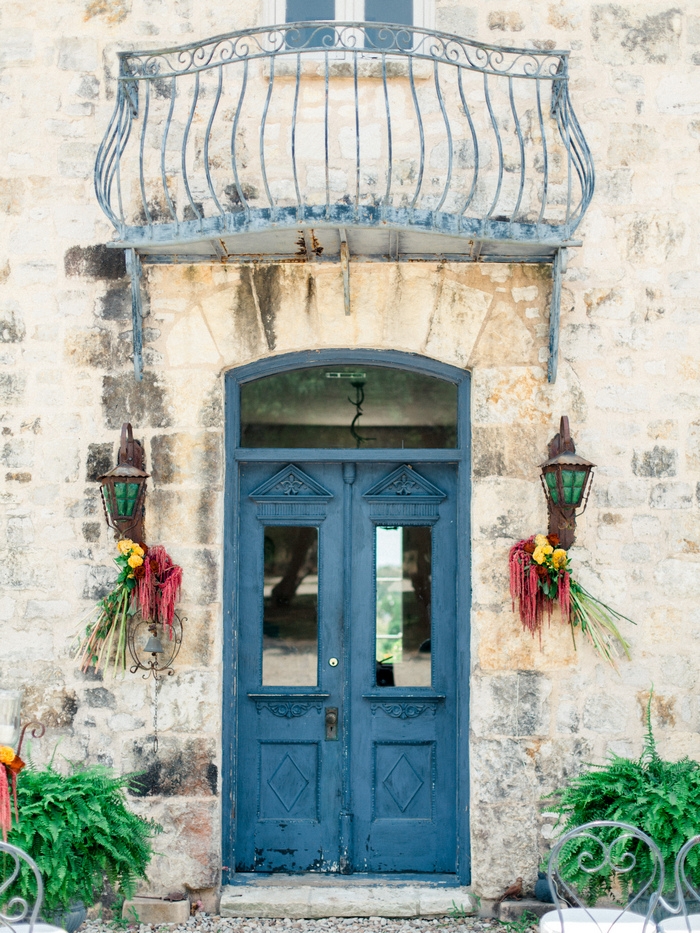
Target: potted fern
x=660 y=797
x=80 y=832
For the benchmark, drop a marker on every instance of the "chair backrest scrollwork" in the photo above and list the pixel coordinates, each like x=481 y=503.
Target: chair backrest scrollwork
x=608 y=860
x=16 y=909
x=687 y=879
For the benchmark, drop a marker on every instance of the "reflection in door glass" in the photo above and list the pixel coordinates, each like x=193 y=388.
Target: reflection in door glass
x=349 y=406
x=403 y=578
x=290 y=617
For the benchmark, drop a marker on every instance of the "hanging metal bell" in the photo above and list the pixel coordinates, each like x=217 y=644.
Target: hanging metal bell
x=154 y=645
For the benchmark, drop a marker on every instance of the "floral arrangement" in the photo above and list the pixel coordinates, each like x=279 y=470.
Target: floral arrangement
x=10 y=766
x=148 y=582
x=540 y=577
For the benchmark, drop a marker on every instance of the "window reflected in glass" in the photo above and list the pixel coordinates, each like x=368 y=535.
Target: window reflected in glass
x=361 y=407
x=311 y=38
x=290 y=614
x=403 y=604
x=396 y=12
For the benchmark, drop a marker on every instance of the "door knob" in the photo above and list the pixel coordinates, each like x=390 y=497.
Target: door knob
x=333 y=662
x=331 y=723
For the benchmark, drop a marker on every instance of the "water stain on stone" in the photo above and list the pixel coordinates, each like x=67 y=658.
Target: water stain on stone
x=99 y=461
x=143 y=402
x=95 y=262
x=663 y=708
x=11 y=326
x=180 y=769
x=90 y=348
x=92 y=531
x=660 y=462
x=100 y=698
x=115 y=304
x=259 y=296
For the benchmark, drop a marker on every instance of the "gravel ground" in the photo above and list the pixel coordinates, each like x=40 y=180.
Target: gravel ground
x=207 y=923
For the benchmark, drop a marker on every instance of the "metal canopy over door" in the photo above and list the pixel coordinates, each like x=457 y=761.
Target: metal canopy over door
x=347 y=703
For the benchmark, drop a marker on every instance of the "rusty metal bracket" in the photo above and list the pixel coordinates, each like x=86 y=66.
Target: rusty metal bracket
x=558 y=270
x=135 y=270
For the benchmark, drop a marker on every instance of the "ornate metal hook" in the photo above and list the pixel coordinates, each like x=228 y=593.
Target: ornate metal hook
x=359 y=387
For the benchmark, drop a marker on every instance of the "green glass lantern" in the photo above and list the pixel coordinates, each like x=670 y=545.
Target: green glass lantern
x=566 y=480
x=123 y=489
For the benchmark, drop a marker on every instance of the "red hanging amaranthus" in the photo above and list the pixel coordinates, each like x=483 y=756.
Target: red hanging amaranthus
x=159 y=587
x=538 y=575
x=149 y=582
x=10 y=766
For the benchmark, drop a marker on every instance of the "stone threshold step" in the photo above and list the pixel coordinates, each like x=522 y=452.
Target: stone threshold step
x=303 y=901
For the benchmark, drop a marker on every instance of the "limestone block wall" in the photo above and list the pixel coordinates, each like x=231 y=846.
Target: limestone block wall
x=628 y=379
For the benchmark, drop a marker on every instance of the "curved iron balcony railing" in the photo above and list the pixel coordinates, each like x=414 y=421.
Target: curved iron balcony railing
x=286 y=141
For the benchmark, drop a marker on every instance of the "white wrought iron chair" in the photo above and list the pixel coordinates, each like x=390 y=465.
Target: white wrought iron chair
x=602 y=854
x=686 y=890
x=16 y=914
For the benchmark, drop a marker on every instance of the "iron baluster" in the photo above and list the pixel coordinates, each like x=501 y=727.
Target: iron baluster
x=185 y=137
x=521 y=144
x=234 y=132
x=263 y=169
x=166 y=130
x=545 y=160
x=448 y=132
x=421 y=135
x=325 y=135
x=142 y=180
x=499 y=144
x=357 y=139
x=207 y=167
x=387 y=194
x=475 y=144
x=300 y=202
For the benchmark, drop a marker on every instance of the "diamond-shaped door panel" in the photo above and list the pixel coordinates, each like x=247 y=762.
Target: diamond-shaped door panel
x=288 y=780
x=403 y=780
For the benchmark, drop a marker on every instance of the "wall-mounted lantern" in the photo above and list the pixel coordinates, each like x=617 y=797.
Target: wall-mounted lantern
x=124 y=489
x=566 y=480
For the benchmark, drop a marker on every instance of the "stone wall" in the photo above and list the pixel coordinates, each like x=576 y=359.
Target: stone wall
x=628 y=379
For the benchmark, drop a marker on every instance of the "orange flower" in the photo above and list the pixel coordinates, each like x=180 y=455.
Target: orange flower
x=7 y=755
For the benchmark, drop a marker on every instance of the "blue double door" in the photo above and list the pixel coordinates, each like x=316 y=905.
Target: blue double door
x=347 y=687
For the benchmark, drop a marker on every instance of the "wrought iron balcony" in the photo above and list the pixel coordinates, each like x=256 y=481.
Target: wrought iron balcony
x=418 y=144
x=326 y=140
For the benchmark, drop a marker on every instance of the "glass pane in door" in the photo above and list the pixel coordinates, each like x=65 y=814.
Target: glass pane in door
x=290 y=607
x=360 y=407
x=403 y=595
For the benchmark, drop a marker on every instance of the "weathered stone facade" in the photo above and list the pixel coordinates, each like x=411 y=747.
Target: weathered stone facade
x=628 y=379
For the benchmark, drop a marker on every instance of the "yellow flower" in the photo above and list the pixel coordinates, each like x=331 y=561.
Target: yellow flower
x=7 y=756
x=547 y=548
x=559 y=558
x=541 y=541
x=538 y=555
x=125 y=545
x=138 y=550
x=135 y=560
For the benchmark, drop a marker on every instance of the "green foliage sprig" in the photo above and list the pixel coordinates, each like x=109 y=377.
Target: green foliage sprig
x=662 y=798
x=80 y=832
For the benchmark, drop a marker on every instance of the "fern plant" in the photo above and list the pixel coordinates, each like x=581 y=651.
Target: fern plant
x=80 y=832
x=662 y=798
